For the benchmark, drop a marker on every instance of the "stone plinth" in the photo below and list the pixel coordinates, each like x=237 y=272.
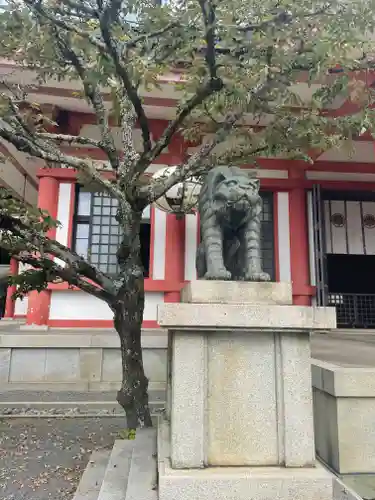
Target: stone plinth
x=238 y=483
x=239 y=393
x=344 y=405
x=236 y=292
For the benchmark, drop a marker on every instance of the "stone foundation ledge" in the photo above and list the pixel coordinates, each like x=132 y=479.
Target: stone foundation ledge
x=238 y=483
x=262 y=483
x=344 y=416
x=80 y=338
x=228 y=317
x=74 y=361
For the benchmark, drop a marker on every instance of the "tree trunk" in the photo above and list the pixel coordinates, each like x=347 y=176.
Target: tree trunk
x=133 y=395
x=128 y=315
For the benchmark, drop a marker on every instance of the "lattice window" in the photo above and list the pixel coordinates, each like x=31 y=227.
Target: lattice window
x=267 y=235
x=98 y=234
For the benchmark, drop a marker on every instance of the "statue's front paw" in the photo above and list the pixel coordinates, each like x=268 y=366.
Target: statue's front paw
x=257 y=277
x=219 y=275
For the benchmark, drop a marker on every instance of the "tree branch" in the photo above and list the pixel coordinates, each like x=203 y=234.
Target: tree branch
x=131 y=44
x=131 y=90
x=55 y=271
x=194 y=165
x=70 y=139
x=283 y=17
x=214 y=84
x=81 y=7
x=93 y=94
x=208 y=89
x=26 y=237
x=54 y=155
x=112 y=10
x=209 y=19
x=60 y=23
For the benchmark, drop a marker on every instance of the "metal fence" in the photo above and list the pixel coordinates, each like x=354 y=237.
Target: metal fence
x=353 y=310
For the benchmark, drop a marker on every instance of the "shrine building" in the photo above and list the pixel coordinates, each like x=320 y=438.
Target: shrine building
x=318 y=221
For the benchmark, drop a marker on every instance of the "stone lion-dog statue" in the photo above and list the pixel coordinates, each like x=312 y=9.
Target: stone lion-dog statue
x=230 y=206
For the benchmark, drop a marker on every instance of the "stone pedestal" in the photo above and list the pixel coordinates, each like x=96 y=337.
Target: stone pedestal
x=240 y=396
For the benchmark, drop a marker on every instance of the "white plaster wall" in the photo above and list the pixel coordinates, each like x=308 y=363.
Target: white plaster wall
x=69 y=305
x=349 y=238
x=283 y=236
x=160 y=232
x=20 y=308
x=63 y=212
x=191 y=243
x=340 y=176
x=310 y=223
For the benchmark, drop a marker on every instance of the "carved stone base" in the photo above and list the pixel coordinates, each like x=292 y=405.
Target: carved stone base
x=236 y=292
x=239 y=375
x=238 y=483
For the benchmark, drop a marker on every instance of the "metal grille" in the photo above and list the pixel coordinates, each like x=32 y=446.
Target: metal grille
x=105 y=232
x=267 y=235
x=353 y=310
x=98 y=234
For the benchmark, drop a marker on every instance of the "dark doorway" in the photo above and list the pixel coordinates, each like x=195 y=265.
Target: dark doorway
x=351 y=289
x=145 y=237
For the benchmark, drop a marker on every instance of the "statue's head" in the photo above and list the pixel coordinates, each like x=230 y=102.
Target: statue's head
x=235 y=191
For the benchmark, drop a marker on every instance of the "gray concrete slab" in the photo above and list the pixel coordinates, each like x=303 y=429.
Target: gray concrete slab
x=142 y=481
x=362 y=484
x=90 y=483
x=356 y=349
x=115 y=480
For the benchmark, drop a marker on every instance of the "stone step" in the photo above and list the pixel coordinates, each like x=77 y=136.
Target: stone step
x=92 y=478
x=115 y=479
x=127 y=472
x=142 y=481
x=34 y=403
x=156 y=396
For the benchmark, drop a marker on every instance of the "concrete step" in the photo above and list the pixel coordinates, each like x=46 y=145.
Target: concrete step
x=116 y=476
x=127 y=472
x=142 y=480
x=35 y=403
x=92 y=479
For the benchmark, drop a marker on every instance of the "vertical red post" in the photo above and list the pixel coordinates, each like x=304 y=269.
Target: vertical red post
x=174 y=254
x=39 y=303
x=299 y=248
x=9 y=301
x=175 y=230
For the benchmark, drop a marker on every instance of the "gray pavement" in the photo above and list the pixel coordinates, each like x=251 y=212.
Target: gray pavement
x=43 y=459
x=345 y=349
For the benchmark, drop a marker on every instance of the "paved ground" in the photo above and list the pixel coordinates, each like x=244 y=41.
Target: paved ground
x=43 y=459
x=345 y=349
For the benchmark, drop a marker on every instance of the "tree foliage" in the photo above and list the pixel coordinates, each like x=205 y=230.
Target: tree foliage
x=257 y=77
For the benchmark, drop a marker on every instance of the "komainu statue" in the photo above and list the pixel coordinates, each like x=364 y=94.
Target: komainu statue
x=230 y=207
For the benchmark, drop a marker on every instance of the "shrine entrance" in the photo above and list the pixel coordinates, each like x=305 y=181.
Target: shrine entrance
x=344 y=229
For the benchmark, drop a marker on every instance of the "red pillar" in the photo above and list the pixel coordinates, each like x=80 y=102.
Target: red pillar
x=9 y=302
x=174 y=254
x=39 y=303
x=299 y=248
